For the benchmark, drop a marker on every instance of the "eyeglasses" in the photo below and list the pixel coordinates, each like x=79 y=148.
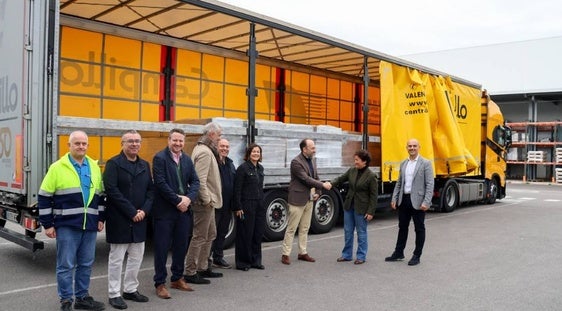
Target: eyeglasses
x=133 y=141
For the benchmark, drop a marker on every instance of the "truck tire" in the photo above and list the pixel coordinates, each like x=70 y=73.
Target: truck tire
x=492 y=191
x=325 y=213
x=231 y=233
x=276 y=214
x=449 y=196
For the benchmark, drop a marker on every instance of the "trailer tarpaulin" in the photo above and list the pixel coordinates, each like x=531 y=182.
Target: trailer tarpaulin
x=443 y=115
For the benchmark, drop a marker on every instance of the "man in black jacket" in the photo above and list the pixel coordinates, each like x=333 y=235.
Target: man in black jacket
x=223 y=215
x=130 y=193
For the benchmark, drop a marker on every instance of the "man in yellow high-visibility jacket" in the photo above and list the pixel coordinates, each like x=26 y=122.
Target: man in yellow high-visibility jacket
x=69 y=211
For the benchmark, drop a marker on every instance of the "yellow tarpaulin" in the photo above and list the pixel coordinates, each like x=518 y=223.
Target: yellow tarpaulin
x=443 y=115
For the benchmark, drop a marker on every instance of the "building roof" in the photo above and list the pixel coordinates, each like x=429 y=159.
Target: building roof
x=515 y=69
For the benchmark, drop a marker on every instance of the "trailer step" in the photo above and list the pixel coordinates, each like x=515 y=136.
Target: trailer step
x=22 y=240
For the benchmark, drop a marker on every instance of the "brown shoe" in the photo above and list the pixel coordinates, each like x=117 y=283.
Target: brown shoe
x=162 y=292
x=305 y=257
x=181 y=285
x=285 y=260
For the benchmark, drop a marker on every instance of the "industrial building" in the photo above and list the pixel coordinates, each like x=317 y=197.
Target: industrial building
x=524 y=79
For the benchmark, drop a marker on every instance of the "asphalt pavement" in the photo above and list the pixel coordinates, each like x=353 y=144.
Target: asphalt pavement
x=504 y=256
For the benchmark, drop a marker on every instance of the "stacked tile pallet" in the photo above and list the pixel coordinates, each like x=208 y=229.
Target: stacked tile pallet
x=558 y=170
x=536 y=156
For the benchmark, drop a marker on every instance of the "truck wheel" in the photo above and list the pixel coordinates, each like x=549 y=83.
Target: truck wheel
x=325 y=213
x=276 y=214
x=492 y=191
x=231 y=233
x=449 y=196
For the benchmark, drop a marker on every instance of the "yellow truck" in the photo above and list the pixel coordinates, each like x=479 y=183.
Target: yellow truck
x=152 y=65
x=459 y=128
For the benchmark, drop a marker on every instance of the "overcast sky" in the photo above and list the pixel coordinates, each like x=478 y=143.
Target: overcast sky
x=402 y=27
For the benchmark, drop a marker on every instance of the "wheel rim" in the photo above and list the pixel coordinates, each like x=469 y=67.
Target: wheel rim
x=494 y=189
x=324 y=210
x=277 y=215
x=451 y=196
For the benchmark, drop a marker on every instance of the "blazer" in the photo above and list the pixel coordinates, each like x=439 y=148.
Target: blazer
x=164 y=171
x=422 y=185
x=128 y=188
x=301 y=181
x=207 y=168
x=362 y=192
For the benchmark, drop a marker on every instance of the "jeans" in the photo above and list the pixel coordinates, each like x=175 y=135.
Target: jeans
x=353 y=221
x=76 y=250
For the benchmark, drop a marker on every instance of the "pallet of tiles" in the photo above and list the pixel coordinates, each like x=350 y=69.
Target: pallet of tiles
x=536 y=156
x=558 y=156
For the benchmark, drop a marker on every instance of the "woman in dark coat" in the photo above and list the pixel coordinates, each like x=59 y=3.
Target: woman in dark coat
x=249 y=209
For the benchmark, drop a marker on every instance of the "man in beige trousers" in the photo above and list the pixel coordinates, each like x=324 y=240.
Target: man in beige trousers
x=304 y=189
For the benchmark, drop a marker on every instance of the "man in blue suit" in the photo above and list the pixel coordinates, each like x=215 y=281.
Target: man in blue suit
x=412 y=195
x=176 y=185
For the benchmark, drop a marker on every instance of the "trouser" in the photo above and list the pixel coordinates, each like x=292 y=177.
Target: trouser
x=351 y=222
x=406 y=212
x=204 y=232
x=172 y=233
x=135 y=252
x=249 y=235
x=222 y=222
x=76 y=250
x=299 y=216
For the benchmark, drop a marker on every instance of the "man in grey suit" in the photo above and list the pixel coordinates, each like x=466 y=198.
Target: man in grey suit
x=412 y=195
x=304 y=188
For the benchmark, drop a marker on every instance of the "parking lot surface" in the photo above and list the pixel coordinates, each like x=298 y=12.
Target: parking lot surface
x=505 y=256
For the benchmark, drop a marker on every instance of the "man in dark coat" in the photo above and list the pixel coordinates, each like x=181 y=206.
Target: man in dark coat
x=130 y=194
x=177 y=186
x=223 y=215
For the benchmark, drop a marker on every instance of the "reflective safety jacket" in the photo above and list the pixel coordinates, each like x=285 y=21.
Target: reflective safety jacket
x=60 y=199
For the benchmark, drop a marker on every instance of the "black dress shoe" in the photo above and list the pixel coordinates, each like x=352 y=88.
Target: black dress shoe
x=221 y=263
x=136 y=296
x=414 y=261
x=209 y=274
x=243 y=268
x=394 y=257
x=118 y=303
x=195 y=279
x=88 y=303
x=260 y=267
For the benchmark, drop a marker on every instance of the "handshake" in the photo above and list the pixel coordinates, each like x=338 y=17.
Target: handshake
x=327 y=185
